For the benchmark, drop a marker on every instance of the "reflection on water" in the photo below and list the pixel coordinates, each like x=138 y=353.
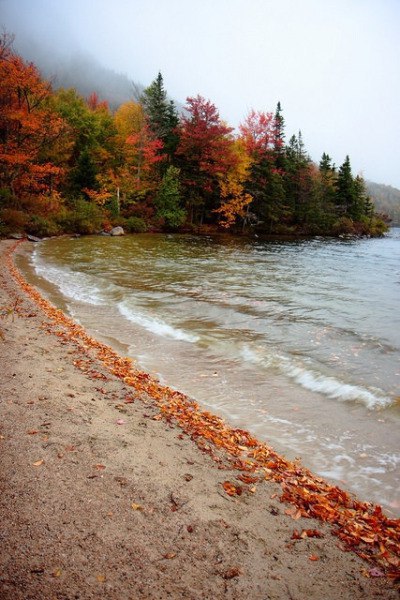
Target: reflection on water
x=298 y=342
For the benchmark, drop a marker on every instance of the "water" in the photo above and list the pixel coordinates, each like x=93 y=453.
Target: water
x=296 y=341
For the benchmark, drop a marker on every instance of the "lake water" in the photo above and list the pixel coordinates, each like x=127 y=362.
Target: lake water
x=298 y=342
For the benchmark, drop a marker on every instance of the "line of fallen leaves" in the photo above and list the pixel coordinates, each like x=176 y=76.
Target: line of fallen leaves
x=362 y=527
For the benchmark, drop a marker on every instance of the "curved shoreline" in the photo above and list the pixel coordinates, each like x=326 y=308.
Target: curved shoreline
x=247 y=470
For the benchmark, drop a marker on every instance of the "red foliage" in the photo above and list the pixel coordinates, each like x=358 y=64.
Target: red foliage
x=204 y=143
x=258 y=132
x=28 y=126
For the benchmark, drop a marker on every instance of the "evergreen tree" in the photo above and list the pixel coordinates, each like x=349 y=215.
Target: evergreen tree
x=279 y=138
x=83 y=176
x=358 y=208
x=298 y=179
x=325 y=165
x=162 y=115
x=345 y=192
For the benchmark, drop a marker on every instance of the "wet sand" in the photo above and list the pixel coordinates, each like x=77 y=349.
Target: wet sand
x=103 y=497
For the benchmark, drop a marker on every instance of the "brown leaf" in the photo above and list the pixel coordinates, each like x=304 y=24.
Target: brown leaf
x=101 y=578
x=232 y=489
x=38 y=463
x=99 y=467
x=32 y=432
x=231 y=573
x=135 y=506
x=170 y=555
x=293 y=512
x=313 y=557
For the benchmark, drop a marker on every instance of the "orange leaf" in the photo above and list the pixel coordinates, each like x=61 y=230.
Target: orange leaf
x=313 y=557
x=38 y=463
x=232 y=489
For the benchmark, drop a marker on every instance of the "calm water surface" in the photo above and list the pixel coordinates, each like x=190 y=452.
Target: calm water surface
x=298 y=342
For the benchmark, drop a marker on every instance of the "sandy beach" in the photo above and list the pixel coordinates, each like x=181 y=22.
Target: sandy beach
x=112 y=487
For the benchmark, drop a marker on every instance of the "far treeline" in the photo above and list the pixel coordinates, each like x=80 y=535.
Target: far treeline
x=71 y=165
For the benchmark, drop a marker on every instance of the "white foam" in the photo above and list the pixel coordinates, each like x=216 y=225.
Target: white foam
x=155 y=325
x=338 y=390
x=316 y=382
x=77 y=286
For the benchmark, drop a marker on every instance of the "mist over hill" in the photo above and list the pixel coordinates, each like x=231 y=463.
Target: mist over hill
x=386 y=199
x=78 y=69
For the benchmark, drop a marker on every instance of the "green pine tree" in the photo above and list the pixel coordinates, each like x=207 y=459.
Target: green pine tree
x=345 y=192
x=162 y=115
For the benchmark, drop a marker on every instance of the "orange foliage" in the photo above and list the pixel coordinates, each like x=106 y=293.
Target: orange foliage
x=28 y=126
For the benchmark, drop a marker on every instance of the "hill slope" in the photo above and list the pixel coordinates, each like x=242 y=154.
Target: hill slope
x=386 y=199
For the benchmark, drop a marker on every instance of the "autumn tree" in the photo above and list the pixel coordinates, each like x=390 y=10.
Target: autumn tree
x=203 y=155
x=28 y=128
x=91 y=141
x=235 y=201
x=264 y=184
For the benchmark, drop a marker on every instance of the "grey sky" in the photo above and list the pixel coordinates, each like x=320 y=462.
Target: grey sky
x=333 y=64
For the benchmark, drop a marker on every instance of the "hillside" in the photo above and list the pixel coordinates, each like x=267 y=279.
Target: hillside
x=386 y=199
x=77 y=69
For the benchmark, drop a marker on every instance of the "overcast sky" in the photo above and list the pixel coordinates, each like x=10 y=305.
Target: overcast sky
x=333 y=64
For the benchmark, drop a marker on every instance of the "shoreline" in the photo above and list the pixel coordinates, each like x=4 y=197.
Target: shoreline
x=165 y=476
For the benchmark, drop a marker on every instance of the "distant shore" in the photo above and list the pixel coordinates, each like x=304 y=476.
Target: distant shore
x=112 y=486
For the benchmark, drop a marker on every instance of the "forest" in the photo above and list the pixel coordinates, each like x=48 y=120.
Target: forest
x=70 y=164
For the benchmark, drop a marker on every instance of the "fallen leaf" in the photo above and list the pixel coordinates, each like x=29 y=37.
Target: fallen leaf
x=293 y=512
x=231 y=573
x=170 y=555
x=120 y=422
x=57 y=573
x=38 y=463
x=101 y=578
x=32 y=432
x=313 y=557
x=135 y=506
x=99 y=467
x=232 y=489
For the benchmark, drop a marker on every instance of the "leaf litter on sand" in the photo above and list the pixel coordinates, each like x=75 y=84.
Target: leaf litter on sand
x=362 y=527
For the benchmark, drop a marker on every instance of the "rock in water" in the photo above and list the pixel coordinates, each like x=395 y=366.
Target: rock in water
x=117 y=231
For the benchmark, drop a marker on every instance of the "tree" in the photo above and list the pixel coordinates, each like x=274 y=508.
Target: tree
x=279 y=138
x=203 y=154
x=345 y=192
x=235 y=200
x=168 y=199
x=28 y=128
x=161 y=116
x=265 y=182
x=90 y=141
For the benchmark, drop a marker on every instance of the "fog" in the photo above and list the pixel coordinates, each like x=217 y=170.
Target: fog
x=333 y=65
